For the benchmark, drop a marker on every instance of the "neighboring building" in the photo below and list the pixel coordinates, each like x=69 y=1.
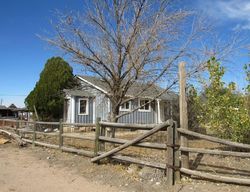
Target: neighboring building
x=6 y=112
x=85 y=104
x=13 y=112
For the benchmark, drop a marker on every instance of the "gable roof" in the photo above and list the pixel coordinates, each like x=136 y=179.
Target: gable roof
x=150 y=92
x=12 y=106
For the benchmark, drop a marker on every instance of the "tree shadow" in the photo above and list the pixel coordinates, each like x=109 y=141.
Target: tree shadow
x=195 y=163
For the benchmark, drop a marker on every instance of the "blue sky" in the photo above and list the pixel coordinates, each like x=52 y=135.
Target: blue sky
x=23 y=54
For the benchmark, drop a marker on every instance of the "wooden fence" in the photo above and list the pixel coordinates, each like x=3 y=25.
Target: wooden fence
x=35 y=128
x=214 y=177
x=173 y=147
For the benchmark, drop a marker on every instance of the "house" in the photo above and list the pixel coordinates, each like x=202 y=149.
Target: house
x=84 y=104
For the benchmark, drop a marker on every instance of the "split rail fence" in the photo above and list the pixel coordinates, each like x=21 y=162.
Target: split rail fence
x=177 y=152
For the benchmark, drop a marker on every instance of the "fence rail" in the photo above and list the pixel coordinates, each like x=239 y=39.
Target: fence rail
x=213 y=139
x=127 y=126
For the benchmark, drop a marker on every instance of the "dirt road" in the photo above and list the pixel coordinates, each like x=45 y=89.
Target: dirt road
x=21 y=172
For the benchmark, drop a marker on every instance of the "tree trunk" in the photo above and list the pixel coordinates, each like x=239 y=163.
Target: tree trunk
x=113 y=118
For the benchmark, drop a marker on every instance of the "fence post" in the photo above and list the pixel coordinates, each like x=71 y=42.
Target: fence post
x=17 y=127
x=60 y=135
x=183 y=114
x=170 y=154
x=97 y=134
x=176 y=153
x=34 y=135
x=102 y=133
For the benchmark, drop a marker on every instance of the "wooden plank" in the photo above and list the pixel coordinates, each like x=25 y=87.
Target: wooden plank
x=177 y=154
x=15 y=137
x=47 y=123
x=102 y=133
x=141 y=144
x=67 y=149
x=213 y=139
x=139 y=162
x=26 y=131
x=183 y=113
x=127 y=126
x=24 y=122
x=129 y=143
x=34 y=135
x=17 y=125
x=70 y=135
x=27 y=140
x=60 y=134
x=79 y=124
x=54 y=134
x=78 y=151
x=10 y=120
x=42 y=144
x=214 y=177
x=8 y=128
x=215 y=152
x=170 y=156
x=97 y=134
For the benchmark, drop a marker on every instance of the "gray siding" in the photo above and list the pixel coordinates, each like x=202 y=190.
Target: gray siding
x=101 y=102
x=84 y=118
x=102 y=109
x=139 y=117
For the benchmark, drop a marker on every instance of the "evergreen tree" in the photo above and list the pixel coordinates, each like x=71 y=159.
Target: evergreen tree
x=47 y=96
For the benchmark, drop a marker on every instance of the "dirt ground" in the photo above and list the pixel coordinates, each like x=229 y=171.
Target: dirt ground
x=24 y=170
x=40 y=169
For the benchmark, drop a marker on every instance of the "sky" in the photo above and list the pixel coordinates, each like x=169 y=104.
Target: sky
x=23 y=54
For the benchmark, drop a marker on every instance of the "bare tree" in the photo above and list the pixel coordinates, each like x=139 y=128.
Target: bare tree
x=129 y=41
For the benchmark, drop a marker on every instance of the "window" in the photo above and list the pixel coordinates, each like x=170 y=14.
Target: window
x=125 y=106
x=145 y=105
x=83 y=107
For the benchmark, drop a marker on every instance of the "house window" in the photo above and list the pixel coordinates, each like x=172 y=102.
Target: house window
x=83 y=107
x=126 y=106
x=145 y=105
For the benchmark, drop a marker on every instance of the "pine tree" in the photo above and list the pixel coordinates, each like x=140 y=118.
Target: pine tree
x=47 y=96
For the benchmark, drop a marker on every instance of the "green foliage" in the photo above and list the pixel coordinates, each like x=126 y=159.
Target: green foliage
x=47 y=95
x=194 y=108
x=247 y=71
x=247 y=89
x=223 y=110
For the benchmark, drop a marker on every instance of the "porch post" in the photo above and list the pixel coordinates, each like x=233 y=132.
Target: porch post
x=94 y=115
x=73 y=104
x=158 y=111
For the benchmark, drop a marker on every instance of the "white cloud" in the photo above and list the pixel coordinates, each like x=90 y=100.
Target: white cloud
x=237 y=11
